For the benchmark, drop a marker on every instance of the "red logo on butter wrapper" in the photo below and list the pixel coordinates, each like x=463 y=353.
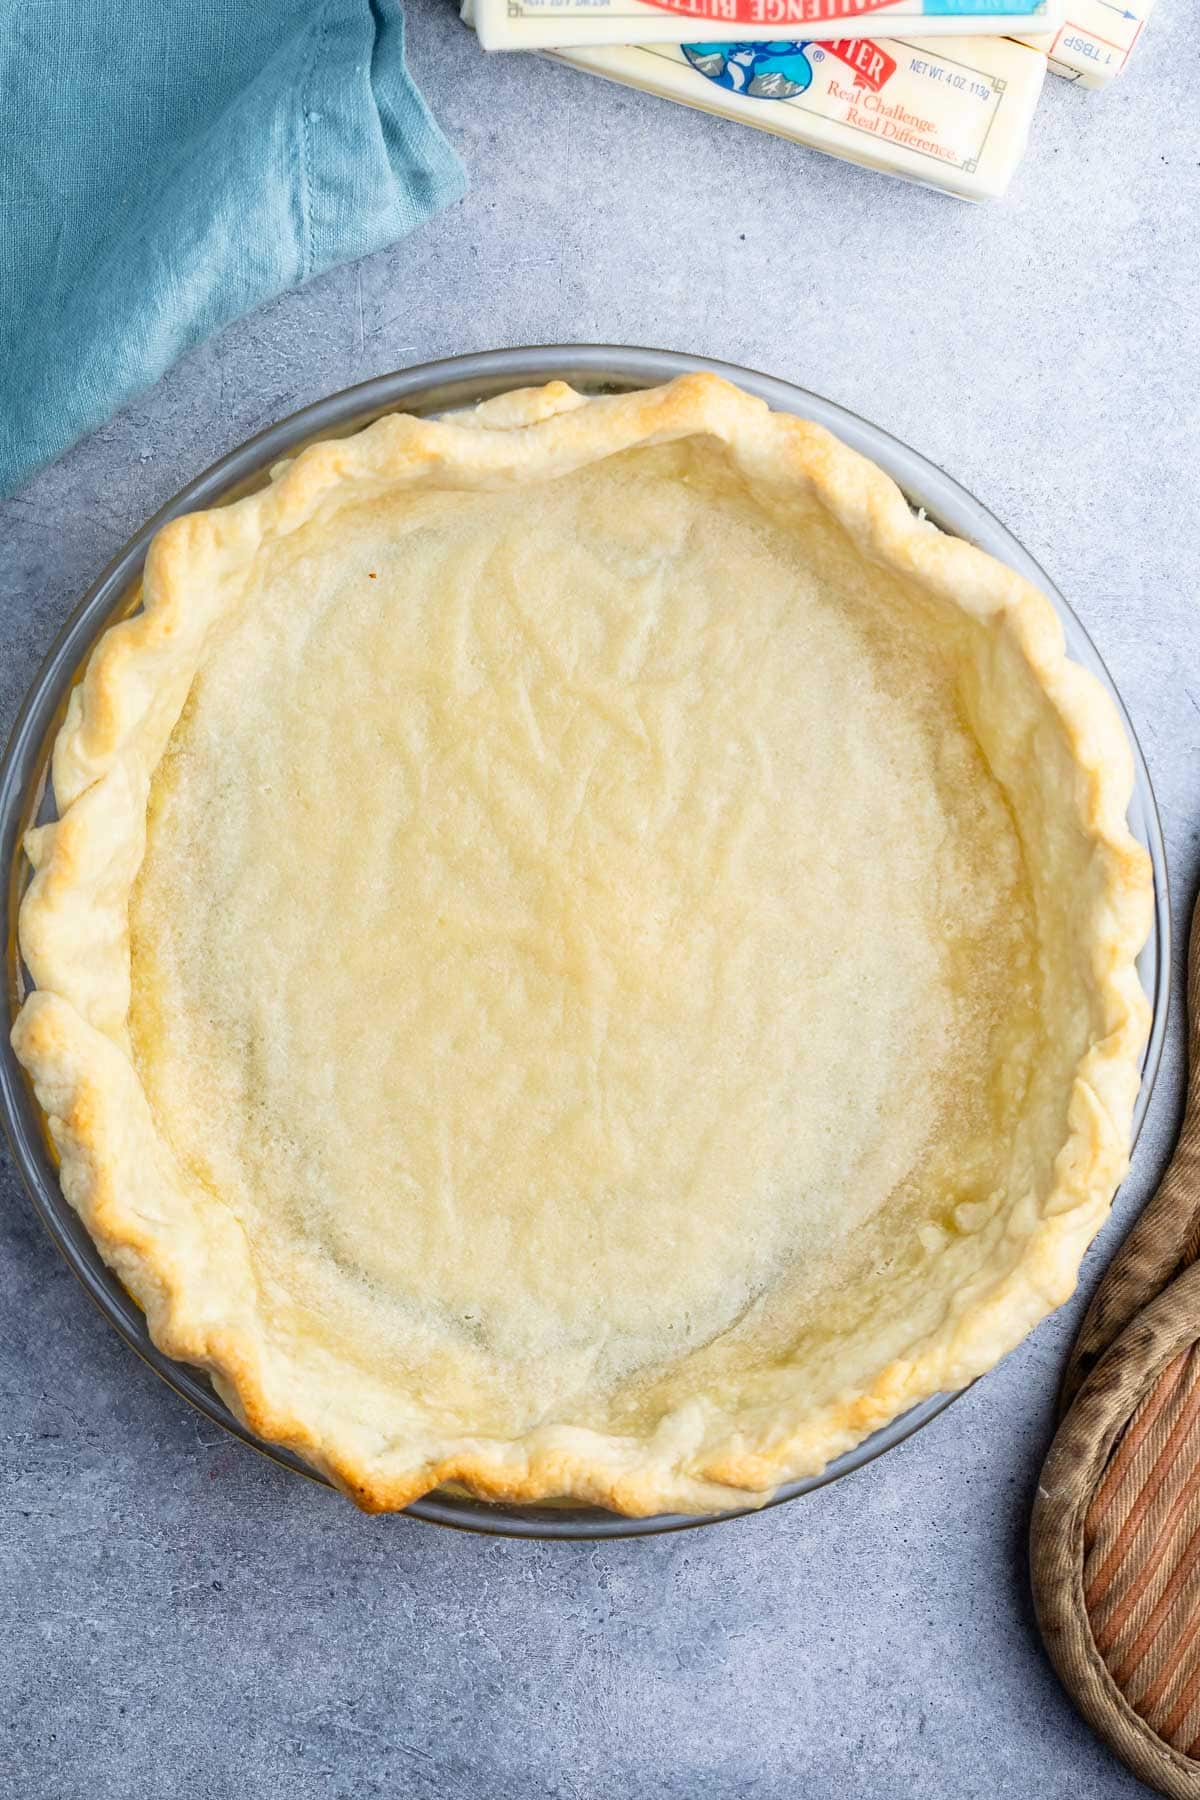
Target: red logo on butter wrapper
x=774 y=12
x=871 y=64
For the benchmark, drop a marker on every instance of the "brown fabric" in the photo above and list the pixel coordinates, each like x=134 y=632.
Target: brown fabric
x=1115 y=1544
x=1115 y=1537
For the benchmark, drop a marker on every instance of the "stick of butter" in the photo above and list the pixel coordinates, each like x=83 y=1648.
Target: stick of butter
x=562 y=24
x=1095 y=40
x=952 y=115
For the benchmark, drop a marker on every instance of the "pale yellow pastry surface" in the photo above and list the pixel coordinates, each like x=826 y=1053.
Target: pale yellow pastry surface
x=587 y=952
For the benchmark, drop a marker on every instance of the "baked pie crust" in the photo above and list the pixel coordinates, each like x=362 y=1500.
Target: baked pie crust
x=586 y=952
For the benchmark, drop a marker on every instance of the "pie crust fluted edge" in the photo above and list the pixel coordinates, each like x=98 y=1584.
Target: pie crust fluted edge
x=71 y=1032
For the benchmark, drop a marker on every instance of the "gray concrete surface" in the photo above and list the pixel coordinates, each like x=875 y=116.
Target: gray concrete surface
x=182 y=1619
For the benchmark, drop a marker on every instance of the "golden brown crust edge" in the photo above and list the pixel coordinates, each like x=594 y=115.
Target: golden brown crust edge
x=70 y=1034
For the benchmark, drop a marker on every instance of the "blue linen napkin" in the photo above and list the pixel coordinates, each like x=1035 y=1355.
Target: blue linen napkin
x=166 y=165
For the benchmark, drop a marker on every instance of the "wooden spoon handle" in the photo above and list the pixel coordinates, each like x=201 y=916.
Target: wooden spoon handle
x=1166 y=1236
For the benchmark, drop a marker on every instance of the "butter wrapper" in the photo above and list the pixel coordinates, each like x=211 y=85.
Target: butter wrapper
x=1095 y=39
x=953 y=115
x=566 y=24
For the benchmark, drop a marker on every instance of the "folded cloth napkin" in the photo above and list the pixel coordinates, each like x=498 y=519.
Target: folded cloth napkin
x=170 y=164
x=1115 y=1534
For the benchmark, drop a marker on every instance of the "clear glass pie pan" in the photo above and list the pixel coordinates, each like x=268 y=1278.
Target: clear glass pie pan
x=435 y=388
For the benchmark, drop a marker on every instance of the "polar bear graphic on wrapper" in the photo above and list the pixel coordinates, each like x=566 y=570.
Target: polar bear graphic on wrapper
x=771 y=71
